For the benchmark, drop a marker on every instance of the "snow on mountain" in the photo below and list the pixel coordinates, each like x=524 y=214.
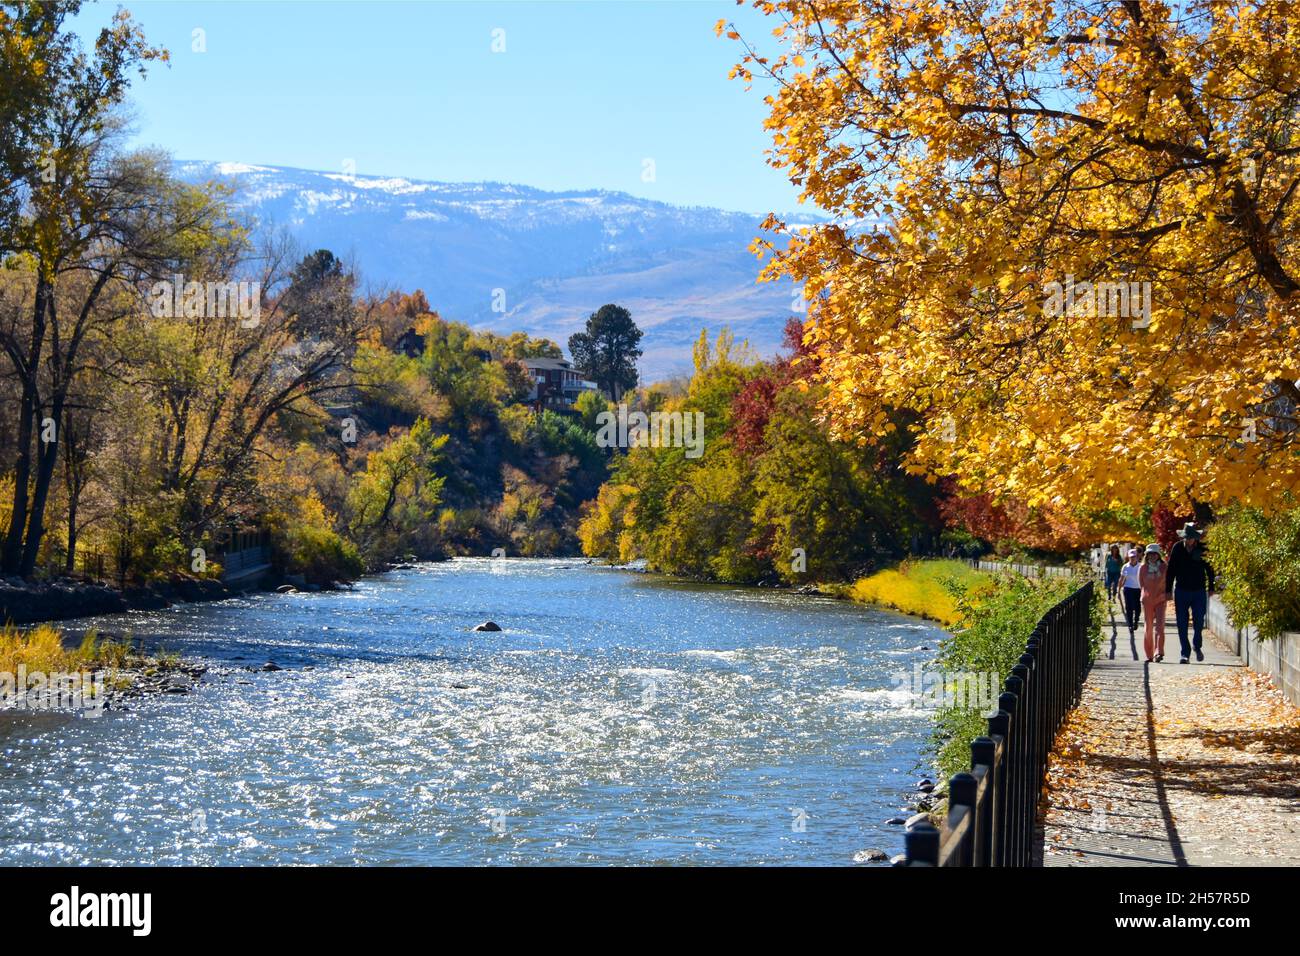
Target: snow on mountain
x=555 y=256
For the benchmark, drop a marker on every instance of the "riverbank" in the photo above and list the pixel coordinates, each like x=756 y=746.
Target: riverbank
x=920 y=588
x=61 y=599
x=41 y=672
x=32 y=602
x=917 y=587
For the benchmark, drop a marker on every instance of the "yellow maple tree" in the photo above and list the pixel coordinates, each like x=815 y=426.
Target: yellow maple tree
x=1060 y=233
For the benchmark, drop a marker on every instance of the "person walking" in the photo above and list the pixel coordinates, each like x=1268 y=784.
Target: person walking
x=1151 y=579
x=1189 y=580
x=1128 y=575
x=1113 y=563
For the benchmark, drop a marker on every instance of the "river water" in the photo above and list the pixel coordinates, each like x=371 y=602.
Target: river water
x=617 y=718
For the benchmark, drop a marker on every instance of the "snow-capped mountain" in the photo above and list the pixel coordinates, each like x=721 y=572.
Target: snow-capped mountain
x=510 y=257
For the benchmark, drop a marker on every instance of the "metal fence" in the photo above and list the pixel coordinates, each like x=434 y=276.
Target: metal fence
x=1024 y=570
x=234 y=563
x=992 y=809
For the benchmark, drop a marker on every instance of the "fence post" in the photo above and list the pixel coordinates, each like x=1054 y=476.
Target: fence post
x=921 y=844
x=1008 y=782
x=961 y=793
x=983 y=753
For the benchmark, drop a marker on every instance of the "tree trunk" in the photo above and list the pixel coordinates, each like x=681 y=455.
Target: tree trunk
x=45 y=463
x=11 y=558
x=70 y=563
x=64 y=369
x=73 y=483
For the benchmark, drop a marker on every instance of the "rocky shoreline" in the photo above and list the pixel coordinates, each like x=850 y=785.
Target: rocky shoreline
x=35 y=602
x=24 y=603
x=125 y=684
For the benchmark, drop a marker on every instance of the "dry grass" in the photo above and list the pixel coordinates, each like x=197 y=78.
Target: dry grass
x=41 y=648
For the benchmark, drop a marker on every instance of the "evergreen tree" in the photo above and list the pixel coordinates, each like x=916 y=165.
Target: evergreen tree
x=607 y=352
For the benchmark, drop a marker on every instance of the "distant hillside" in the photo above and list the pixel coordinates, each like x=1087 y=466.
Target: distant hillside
x=556 y=256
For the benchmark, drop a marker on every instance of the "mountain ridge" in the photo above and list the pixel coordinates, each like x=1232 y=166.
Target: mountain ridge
x=506 y=256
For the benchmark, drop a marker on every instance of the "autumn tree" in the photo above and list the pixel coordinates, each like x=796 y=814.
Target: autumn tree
x=520 y=345
x=394 y=501
x=80 y=219
x=33 y=50
x=1011 y=522
x=1060 y=236
x=771 y=496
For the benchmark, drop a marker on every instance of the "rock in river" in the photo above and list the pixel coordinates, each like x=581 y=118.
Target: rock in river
x=488 y=626
x=870 y=856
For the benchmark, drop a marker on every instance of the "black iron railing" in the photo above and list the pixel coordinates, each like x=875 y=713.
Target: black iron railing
x=991 y=810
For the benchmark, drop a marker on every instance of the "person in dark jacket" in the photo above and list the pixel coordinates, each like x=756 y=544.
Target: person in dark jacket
x=1189 y=580
x=1113 y=563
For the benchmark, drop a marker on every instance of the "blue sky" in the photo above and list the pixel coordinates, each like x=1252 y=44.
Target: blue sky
x=584 y=94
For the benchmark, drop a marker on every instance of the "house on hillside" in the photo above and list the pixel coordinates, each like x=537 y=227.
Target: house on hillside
x=556 y=384
x=411 y=344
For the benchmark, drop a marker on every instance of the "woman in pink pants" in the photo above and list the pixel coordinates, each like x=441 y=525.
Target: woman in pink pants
x=1151 y=579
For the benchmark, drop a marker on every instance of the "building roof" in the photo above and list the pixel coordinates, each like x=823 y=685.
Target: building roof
x=548 y=363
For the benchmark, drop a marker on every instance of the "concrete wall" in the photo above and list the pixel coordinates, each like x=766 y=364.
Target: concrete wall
x=1279 y=659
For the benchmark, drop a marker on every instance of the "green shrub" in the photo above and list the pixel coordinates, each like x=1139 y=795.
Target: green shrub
x=998 y=618
x=1257 y=564
x=306 y=543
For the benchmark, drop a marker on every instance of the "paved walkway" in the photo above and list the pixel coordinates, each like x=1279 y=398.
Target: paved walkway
x=1173 y=765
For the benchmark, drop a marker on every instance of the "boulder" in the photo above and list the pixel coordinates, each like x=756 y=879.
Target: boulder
x=870 y=856
x=488 y=626
x=271 y=666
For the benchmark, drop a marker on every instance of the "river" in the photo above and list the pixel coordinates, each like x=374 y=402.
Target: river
x=617 y=718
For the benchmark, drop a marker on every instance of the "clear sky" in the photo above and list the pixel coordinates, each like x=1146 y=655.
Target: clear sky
x=582 y=96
